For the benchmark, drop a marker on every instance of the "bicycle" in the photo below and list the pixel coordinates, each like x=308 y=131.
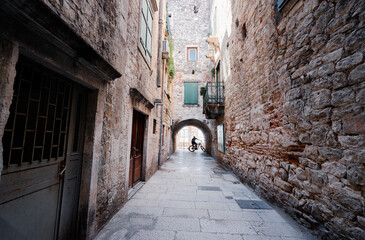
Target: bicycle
x=198 y=145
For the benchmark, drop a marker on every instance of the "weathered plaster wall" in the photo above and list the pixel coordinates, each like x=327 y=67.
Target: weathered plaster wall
x=294 y=110
x=190 y=29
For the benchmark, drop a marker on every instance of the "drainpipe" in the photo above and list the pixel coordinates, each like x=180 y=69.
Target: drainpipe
x=162 y=112
x=159 y=58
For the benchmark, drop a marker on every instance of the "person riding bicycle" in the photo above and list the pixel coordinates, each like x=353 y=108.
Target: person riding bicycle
x=193 y=142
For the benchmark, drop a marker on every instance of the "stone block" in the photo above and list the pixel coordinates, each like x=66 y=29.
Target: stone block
x=326 y=69
x=178 y=224
x=354 y=124
x=353 y=156
x=283 y=185
x=321 y=114
x=317 y=177
x=343 y=97
x=330 y=154
x=349 y=62
x=360 y=97
x=339 y=80
x=333 y=56
x=321 y=83
x=352 y=141
x=226 y=226
x=311 y=151
x=334 y=43
x=321 y=98
x=334 y=168
x=355 y=174
x=319 y=135
x=355 y=41
x=357 y=75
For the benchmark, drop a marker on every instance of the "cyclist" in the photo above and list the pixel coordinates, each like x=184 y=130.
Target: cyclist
x=193 y=142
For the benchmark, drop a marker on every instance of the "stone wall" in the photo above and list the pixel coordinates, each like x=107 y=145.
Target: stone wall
x=117 y=125
x=294 y=110
x=102 y=24
x=9 y=56
x=112 y=29
x=190 y=29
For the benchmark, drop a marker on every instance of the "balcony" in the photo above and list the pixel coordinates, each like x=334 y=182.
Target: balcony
x=213 y=100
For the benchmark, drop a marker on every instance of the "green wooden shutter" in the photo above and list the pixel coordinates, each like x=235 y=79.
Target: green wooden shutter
x=190 y=93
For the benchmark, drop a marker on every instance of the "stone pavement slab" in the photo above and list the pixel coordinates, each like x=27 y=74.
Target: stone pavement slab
x=191 y=198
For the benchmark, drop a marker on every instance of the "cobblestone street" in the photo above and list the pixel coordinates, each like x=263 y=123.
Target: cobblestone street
x=192 y=197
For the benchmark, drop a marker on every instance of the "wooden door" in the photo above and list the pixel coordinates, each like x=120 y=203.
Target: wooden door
x=71 y=175
x=136 y=159
x=35 y=142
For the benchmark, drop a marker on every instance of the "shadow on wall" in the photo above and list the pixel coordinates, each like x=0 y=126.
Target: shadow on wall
x=196 y=123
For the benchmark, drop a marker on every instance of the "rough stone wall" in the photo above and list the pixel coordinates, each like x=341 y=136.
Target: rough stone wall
x=8 y=57
x=112 y=28
x=102 y=24
x=190 y=29
x=294 y=110
x=118 y=117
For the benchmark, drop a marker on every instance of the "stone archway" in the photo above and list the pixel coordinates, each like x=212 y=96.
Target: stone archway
x=196 y=123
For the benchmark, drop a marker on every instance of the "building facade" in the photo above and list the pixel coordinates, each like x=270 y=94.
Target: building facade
x=79 y=119
x=190 y=28
x=293 y=75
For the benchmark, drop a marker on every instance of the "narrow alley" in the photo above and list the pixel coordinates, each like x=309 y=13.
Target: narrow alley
x=193 y=197
x=102 y=100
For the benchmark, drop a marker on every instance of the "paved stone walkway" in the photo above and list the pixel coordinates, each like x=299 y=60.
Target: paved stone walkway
x=192 y=198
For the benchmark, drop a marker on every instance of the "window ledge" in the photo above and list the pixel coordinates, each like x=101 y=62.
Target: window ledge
x=140 y=50
x=191 y=105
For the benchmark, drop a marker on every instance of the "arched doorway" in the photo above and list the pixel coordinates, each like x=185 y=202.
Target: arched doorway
x=184 y=136
x=196 y=123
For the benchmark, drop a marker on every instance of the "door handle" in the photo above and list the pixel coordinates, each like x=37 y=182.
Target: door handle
x=63 y=170
x=135 y=149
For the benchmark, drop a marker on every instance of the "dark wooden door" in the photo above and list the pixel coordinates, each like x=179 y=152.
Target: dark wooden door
x=136 y=159
x=35 y=140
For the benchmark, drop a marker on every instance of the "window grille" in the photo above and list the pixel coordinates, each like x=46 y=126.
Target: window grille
x=37 y=127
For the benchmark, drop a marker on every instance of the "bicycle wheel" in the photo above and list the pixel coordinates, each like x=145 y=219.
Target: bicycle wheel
x=191 y=148
x=203 y=149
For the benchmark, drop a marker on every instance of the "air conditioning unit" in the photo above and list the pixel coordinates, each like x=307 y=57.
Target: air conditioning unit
x=165 y=49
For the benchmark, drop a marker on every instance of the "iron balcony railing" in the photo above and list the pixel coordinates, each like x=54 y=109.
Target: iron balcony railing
x=214 y=93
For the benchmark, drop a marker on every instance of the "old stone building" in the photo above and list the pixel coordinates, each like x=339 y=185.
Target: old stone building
x=190 y=27
x=81 y=87
x=90 y=108
x=293 y=74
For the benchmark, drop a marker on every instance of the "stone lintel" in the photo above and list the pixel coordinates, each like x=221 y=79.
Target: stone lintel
x=139 y=97
x=40 y=19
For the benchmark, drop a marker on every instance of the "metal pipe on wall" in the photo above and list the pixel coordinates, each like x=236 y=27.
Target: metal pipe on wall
x=162 y=112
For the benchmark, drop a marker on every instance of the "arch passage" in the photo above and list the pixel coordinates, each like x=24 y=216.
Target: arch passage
x=196 y=123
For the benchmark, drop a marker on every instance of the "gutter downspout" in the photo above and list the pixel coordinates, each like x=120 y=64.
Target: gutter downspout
x=162 y=113
x=159 y=58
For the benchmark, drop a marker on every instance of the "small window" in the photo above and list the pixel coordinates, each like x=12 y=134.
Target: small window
x=190 y=93
x=146 y=29
x=192 y=54
x=154 y=126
